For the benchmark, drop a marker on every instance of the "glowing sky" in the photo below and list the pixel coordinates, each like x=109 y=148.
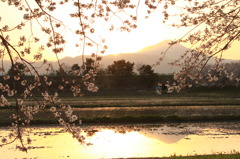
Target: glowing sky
x=149 y=32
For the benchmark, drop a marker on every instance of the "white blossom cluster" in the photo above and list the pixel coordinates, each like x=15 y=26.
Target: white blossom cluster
x=213 y=28
x=3 y=101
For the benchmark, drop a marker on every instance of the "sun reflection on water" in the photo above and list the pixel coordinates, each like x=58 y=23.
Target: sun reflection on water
x=130 y=141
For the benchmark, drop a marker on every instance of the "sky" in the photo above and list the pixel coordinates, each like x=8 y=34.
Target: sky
x=149 y=32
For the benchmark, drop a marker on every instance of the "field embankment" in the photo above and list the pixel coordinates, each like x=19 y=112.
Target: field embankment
x=217 y=156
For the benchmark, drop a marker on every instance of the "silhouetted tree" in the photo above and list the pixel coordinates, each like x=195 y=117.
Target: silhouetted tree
x=89 y=64
x=145 y=70
x=63 y=70
x=121 y=72
x=75 y=69
x=147 y=76
x=17 y=69
x=121 y=68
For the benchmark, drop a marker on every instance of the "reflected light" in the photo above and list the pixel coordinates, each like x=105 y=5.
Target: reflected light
x=52 y=142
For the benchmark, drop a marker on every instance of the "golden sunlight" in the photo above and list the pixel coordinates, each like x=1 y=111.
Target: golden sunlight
x=108 y=143
x=149 y=32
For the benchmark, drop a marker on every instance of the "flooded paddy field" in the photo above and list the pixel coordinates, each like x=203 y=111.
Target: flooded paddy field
x=205 y=104
x=143 y=139
x=129 y=140
x=158 y=111
x=139 y=114
x=129 y=100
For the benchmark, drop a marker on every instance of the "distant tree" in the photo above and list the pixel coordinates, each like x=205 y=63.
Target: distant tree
x=75 y=69
x=147 y=76
x=121 y=68
x=145 y=70
x=63 y=70
x=121 y=74
x=89 y=64
x=103 y=80
x=16 y=77
x=18 y=69
x=102 y=72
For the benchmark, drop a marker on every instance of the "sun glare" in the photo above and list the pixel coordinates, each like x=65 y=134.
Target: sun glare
x=149 y=32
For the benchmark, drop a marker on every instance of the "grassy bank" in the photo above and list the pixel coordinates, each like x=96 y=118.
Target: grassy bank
x=141 y=101
x=161 y=119
x=218 y=156
x=221 y=156
x=136 y=119
x=192 y=97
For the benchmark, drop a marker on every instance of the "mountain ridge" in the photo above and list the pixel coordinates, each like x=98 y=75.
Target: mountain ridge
x=148 y=55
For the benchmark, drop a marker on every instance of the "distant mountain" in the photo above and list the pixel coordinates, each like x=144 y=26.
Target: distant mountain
x=148 y=55
x=162 y=46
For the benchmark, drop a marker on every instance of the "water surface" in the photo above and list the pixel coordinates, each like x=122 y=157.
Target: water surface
x=212 y=110
x=122 y=141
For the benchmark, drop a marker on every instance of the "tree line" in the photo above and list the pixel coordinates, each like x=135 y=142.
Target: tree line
x=118 y=76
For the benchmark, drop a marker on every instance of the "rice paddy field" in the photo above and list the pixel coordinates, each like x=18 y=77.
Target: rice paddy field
x=195 y=105
x=147 y=107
